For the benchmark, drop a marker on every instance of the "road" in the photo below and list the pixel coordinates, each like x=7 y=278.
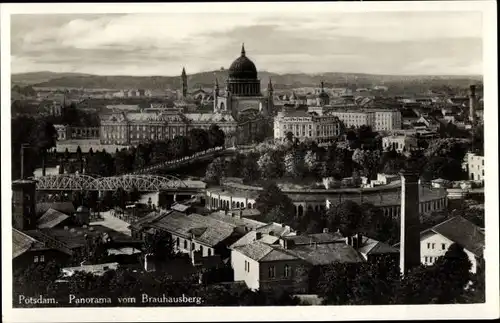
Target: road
x=113 y=223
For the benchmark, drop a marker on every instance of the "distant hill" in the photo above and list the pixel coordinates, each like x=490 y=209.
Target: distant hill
x=206 y=79
x=39 y=77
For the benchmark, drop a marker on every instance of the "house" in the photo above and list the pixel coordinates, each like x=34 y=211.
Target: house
x=372 y=249
x=28 y=250
x=475 y=167
x=265 y=261
x=208 y=235
x=435 y=241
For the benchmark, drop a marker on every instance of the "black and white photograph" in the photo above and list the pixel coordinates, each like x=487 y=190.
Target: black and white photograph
x=289 y=157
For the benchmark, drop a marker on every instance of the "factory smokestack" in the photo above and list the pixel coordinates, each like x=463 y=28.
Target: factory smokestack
x=23 y=148
x=472 y=104
x=409 y=252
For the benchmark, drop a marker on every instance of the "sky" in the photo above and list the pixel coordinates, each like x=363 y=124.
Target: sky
x=399 y=43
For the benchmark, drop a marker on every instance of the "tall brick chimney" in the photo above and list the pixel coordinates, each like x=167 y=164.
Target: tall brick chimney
x=409 y=252
x=23 y=200
x=472 y=104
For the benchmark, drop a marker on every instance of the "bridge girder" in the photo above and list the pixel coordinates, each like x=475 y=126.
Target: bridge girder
x=143 y=183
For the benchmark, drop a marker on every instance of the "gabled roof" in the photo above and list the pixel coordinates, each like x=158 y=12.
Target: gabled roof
x=21 y=243
x=51 y=218
x=371 y=246
x=462 y=232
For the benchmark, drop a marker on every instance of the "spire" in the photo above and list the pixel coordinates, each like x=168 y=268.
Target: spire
x=243 y=53
x=270 y=84
x=183 y=71
x=322 y=86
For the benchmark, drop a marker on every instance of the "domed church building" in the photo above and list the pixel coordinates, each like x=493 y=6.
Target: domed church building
x=242 y=97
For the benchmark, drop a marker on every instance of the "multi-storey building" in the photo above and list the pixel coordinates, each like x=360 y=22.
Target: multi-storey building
x=475 y=167
x=67 y=132
x=136 y=127
x=377 y=119
x=304 y=125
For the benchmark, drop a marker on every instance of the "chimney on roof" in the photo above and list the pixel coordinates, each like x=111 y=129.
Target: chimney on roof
x=258 y=235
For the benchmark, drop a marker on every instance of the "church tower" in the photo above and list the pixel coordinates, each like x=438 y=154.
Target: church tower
x=184 y=83
x=270 y=98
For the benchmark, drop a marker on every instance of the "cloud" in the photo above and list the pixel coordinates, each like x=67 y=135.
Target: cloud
x=160 y=44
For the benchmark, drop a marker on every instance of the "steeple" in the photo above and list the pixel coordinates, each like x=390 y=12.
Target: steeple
x=184 y=82
x=216 y=87
x=270 y=89
x=322 y=86
x=243 y=53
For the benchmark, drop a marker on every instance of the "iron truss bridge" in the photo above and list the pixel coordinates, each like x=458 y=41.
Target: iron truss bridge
x=143 y=183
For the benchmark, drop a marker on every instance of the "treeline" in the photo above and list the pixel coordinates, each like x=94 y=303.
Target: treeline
x=447 y=281
x=348 y=217
x=130 y=159
x=304 y=161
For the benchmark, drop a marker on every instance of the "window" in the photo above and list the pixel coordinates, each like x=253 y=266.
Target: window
x=443 y=246
x=433 y=245
x=35 y=259
x=271 y=272
x=42 y=258
x=428 y=245
x=201 y=250
x=425 y=261
x=185 y=244
x=178 y=241
x=209 y=252
x=287 y=271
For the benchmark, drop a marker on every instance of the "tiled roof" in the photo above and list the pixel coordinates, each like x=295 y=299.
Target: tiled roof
x=324 y=254
x=462 y=232
x=276 y=229
x=371 y=247
x=238 y=221
x=22 y=242
x=316 y=238
x=215 y=231
x=251 y=237
x=51 y=218
x=256 y=250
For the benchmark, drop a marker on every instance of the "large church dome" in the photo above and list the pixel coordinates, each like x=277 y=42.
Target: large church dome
x=243 y=68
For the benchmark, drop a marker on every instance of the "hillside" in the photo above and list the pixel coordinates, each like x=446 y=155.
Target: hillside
x=206 y=79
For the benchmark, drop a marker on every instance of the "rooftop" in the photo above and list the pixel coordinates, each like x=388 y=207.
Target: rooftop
x=51 y=218
x=462 y=232
x=21 y=242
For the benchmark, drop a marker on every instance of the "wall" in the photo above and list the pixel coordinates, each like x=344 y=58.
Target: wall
x=279 y=280
x=27 y=259
x=475 y=166
x=251 y=278
x=179 y=245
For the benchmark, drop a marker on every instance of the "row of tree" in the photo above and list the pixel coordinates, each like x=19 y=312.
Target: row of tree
x=447 y=281
x=127 y=160
x=348 y=217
